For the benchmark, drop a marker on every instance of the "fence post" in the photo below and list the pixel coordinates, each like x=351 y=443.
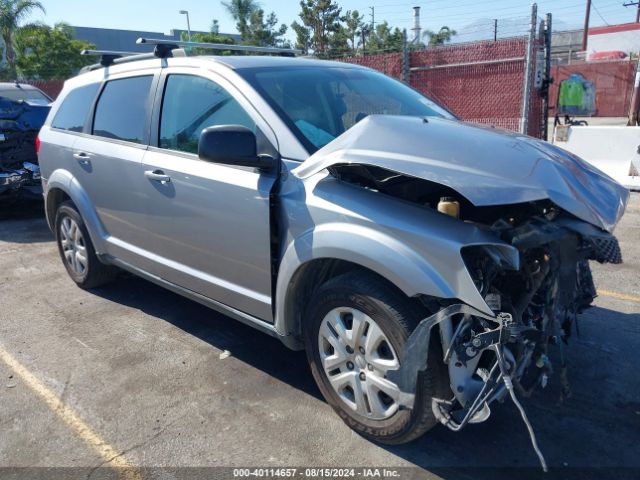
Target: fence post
x=528 y=71
x=547 y=80
x=406 y=72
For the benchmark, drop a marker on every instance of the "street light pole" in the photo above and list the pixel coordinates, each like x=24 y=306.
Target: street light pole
x=186 y=12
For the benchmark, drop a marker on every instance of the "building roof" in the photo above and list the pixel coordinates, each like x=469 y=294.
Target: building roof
x=125 y=40
x=624 y=27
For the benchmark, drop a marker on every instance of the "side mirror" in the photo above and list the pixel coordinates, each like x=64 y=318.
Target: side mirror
x=232 y=145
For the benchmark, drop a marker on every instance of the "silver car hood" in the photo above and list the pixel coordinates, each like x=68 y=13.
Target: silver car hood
x=485 y=165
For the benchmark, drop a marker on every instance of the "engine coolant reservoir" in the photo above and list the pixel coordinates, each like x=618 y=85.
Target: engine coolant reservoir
x=449 y=206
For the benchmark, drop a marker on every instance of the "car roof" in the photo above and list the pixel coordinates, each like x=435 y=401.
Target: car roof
x=17 y=86
x=238 y=62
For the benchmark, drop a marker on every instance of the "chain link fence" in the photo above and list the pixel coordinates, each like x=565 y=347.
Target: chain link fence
x=500 y=82
x=481 y=82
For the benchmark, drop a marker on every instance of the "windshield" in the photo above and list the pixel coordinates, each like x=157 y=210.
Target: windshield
x=32 y=96
x=319 y=104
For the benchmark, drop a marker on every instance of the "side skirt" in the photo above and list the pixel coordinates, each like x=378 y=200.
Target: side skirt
x=245 y=318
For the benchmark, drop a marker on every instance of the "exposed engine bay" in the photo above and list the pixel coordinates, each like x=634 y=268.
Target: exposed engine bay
x=19 y=126
x=535 y=303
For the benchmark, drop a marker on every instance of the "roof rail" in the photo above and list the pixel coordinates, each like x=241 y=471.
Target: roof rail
x=173 y=44
x=116 y=58
x=106 y=56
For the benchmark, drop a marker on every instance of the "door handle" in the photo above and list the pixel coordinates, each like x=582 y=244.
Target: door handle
x=82 y=158
x=157 y=176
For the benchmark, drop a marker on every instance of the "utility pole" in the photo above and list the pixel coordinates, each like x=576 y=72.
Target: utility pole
x=495 y=29
x=586 y=26
x=373 y=18
x=528 y=71
x=637 y=4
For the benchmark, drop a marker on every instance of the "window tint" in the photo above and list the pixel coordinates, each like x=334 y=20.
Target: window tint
x=75 y=107
x=190 y=105
x=18 y=94
x=121 y=112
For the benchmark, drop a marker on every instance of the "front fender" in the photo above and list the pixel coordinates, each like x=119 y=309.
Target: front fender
x=381 y=253
x=65 y=181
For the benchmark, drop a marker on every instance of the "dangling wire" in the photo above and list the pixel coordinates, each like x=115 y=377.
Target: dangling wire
x=506 y=378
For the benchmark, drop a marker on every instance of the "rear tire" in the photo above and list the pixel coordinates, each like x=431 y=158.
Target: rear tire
x=341 y=356
x=76 y=250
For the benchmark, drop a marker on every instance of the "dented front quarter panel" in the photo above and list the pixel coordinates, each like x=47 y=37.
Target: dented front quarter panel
x=484 y=165
x=414 y=247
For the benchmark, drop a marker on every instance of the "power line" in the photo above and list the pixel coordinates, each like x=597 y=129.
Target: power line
x=599 y=14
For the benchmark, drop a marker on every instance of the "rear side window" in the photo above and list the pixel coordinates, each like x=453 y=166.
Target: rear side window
x=121 y=112
x=74 y=109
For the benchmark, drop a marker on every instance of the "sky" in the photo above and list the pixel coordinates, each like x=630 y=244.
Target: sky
x=471 y=18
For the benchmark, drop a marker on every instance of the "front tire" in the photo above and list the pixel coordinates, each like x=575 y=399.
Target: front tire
x=76 y=250
x=356 y=327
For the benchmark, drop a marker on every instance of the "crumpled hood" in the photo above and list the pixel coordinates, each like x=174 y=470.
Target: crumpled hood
x=485 y=165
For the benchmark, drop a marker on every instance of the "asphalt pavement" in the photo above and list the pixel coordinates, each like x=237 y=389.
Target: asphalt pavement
x=131 y=379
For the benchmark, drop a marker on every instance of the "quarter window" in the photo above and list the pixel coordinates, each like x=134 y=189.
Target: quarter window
x=122 y=109
x=191 y=104
x=74 y=109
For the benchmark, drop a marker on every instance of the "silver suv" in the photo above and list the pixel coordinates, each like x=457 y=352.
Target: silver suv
x=424 y=264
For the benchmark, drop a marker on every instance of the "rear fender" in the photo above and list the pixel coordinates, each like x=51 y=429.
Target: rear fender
x=66 y=182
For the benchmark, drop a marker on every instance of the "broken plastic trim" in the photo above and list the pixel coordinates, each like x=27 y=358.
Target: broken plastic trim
x=414 y=360
x=414 y=356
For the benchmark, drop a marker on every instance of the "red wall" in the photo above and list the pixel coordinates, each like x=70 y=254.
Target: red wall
x=613 y=82
x=50 y=87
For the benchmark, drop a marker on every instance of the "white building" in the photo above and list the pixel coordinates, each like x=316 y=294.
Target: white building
x=624 y=38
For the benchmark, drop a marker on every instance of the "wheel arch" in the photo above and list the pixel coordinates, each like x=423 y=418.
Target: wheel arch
x=55 y=197
x=62 y=186
x=328 y=251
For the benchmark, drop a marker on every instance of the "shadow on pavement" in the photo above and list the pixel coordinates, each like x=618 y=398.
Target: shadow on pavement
x=23 y=222
x=587 y=436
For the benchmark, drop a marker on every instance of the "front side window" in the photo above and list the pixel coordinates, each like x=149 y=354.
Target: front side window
x=75 y=107
x=121 y=113
x=191 y=104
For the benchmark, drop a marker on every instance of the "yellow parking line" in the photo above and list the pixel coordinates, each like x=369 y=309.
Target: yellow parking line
x=619 y=296
x=109 y=454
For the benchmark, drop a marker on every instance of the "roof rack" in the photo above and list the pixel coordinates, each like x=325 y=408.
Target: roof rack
x=168 y=45
x=173 y=48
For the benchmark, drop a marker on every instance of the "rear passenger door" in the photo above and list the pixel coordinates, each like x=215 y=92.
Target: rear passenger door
x=109 y=162
x=209 y=222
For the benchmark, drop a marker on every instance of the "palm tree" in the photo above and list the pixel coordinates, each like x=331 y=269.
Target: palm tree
x=12 y=12
x=240 y=11
x=440 y=38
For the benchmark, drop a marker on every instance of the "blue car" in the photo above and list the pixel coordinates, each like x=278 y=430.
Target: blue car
x=23 y=110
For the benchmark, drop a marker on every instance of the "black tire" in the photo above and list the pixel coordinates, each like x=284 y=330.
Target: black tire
x=95 y=273
x=397 y=316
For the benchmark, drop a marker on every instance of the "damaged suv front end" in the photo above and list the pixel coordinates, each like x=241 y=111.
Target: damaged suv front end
x=526 y=218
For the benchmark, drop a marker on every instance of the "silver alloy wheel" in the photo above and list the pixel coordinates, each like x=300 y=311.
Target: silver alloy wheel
x=356 y=356
x=73 y=245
